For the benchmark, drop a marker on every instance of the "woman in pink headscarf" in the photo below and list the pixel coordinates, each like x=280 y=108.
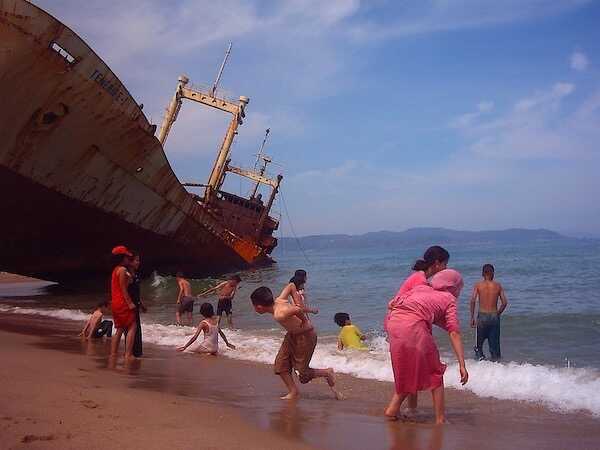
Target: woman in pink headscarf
x=415 y=357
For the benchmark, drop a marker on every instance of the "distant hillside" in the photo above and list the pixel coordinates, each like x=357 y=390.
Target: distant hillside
x=417 y=236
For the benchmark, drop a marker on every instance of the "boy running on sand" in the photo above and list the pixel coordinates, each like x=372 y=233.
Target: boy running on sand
x=185 y=301
x=488 y=317
x=226 y=292
x=298 y=344
x=95 y=327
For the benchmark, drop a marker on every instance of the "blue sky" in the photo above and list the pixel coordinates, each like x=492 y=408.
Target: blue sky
x=467 y=114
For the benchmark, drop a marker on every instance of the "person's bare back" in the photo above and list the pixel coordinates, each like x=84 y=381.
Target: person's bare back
x=185 y=287
x=489 y=292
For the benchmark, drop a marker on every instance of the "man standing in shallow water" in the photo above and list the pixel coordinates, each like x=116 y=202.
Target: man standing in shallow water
x=488 y=317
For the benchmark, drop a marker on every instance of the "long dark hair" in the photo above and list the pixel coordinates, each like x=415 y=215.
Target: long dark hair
x=299 y=278
x=432 y=255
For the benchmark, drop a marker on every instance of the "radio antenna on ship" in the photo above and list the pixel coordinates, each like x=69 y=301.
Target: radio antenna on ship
x=213 y=90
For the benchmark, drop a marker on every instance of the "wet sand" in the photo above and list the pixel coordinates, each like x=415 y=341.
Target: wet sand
x=60 y=392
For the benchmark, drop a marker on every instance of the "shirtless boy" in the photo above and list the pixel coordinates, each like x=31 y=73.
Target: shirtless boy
x=95 y=327
x=298 y=344
x=488 y=318
x=185 y=301
x=226 y=292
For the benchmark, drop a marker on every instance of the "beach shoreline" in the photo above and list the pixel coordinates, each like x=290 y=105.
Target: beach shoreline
x=42 y=355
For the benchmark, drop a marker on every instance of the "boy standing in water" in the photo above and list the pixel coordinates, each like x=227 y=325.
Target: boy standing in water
x=488 y=318
x=185 y=301
x=226 y=292
x=298 y=345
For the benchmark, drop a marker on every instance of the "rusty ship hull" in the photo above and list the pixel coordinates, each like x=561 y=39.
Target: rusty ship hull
x=81 y=169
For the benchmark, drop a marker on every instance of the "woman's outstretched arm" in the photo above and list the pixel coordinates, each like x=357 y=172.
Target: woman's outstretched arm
x=457 y=346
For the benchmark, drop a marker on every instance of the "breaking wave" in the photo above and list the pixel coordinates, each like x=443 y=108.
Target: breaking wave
x=559 y=389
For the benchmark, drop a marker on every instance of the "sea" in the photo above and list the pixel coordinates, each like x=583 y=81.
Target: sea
x=550 y=335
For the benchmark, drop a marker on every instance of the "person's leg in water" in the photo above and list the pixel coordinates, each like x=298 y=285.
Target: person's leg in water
x=309 y=374
x=494 y=339
x=190 y=316
x=137 y=344
x=115 y=341
x=288 y=380
x=393 y=408
x=230 y=319
x=178 y=315
x=482 y=335
x=437 y=396
x=130 y=339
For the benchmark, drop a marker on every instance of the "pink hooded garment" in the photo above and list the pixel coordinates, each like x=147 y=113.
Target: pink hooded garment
x=411 y=313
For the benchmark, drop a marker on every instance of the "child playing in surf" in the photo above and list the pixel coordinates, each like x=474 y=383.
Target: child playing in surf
x=350 y=336
x=226 y=292
x=95 y=327
x=185 y=301
x=298 y=344
x=488 y=317
x=210 y=327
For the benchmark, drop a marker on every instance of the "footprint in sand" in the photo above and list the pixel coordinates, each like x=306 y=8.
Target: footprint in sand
x=89 y=404
x=32 y=438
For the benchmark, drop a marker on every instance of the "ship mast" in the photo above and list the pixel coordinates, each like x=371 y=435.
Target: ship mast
x=265 y=159
x=208 y=98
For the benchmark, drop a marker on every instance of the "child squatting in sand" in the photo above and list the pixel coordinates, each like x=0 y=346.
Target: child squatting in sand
x=298 y=344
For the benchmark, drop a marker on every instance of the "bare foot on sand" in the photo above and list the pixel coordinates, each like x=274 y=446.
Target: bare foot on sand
x=331 y=382
x=390 y=415
x=290 y=396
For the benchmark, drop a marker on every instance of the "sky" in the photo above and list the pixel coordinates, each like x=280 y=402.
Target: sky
x=384 y=115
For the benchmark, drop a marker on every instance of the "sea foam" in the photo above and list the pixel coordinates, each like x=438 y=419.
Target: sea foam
x=559 y=389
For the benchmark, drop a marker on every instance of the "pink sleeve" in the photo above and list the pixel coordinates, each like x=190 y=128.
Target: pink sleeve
x=416 y=279
x=451 y=318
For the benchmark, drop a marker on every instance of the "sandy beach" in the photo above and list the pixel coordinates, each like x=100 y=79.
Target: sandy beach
x=60 y=392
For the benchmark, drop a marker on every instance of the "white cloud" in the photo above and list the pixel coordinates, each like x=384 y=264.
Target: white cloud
x=467 y=119
x=579 y=61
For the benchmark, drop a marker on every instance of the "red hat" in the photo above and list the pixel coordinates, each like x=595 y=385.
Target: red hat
x=121 y=250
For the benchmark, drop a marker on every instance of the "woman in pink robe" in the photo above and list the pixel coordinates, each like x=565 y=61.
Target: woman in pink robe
x=434 y=259
x=415 y=357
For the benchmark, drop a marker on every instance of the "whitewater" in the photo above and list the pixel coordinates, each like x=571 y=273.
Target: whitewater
x=561 y=389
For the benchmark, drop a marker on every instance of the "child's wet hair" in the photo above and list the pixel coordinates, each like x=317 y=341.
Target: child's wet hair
x=262 y=297
x=341 y=318
x=488 y=270
x=432 y=254
x=299 y=278
x=179 y=274
x=207 y=310
x=235 y=278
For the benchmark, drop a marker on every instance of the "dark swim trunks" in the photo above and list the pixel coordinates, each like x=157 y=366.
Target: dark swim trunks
x=224 y=306
x=186 y=305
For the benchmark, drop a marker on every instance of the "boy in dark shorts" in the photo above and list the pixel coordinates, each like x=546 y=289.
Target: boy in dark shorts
x=95 y=327
x=185 y=300
x=298 y=345
x=226 y=292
